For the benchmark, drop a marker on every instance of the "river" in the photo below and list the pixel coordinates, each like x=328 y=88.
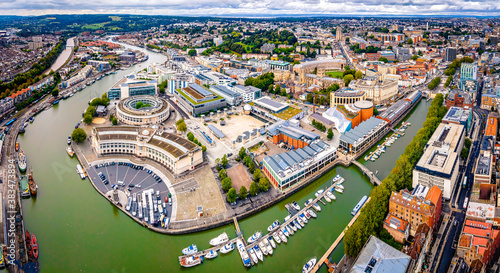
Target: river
x=63 y=57
x=80 y=231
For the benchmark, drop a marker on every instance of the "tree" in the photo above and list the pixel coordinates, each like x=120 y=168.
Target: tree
x=78 y=135
x=410 y=41
x=358 y=75
x=348 y=78
x=114 y=121
x=91 y=110
x=277 y=89
x=192 y=52
x=182 y=127
x=464 y=153
x=256 y=175
x=263 y=184
x=467 y=143
x=222 y=174
x=271 y=88
x=254 y=189
x=224 y=161
x=242 y=153
x=87 y=118
x=251 y=167
x=203 y=148
x=414 y=57
x=383 y=59
x=231 y=195
x=375 y=111
x=179 y=121
x=55 y=92
x=309 y=97
x=330 y=134
x=226 y=184
x=243 y=192
x=190 y=136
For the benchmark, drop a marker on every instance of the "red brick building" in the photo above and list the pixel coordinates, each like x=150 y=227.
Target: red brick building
x=459 y=98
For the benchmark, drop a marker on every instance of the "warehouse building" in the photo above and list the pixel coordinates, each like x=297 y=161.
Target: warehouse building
x=366 y=134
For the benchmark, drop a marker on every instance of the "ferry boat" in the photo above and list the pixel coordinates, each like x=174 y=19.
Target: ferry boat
x=80 y=171
x=256 y=236
x=34 y=246
x=190 y=250
x=191 y=261
x=219 y=240
x=273 y=226
x=31 y=182
x=24 y=188
x=308 y=267
x=70 y=152
x=359 y=205
x=211 y=254
x=243 y=253
x=227 y=248
x=17 y=146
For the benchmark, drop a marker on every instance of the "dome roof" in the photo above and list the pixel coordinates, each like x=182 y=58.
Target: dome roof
x=247 y=107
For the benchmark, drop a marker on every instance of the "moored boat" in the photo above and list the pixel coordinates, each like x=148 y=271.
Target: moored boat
x=70 y=152
x=69 y=140
x=282 y=236
x=270 y=239
x=285 y=231
x=330 y=195
x=290 y=230
x=303 y=218
x=219 y=240
x=292 y=225
x=24 y=188
x=258 y=252
x=28 y=244
x=227 y=248
x=295 y=205
x=254 y=237
x=17 y=146
x=339 y=190
x=21 y=160
x=263 y=247
x=190 y=250
x=253 y=255
x=316 y=207
x=277 y=237
x=191 y=261
x=243 y=253
x=312 y=213
x=34 y=246
x=327 y=199
x=318 y=193
x=31 y=182
x=273 y=226
x=308 y=202
x=309 y=265
x=212 y=254
x=297 y=225
x=269 y=248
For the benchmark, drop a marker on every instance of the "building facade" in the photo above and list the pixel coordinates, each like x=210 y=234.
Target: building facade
x=130 y=86
x=154 y=110
x=197 y=99
x=376 y=89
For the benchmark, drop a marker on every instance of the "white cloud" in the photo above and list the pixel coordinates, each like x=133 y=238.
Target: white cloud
x=252 y=7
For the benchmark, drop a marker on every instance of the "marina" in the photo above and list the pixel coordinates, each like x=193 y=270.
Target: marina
x=381 y=148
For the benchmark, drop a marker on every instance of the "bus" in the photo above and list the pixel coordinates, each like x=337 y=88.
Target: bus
x=10 y=122
x=465 y=182
x=465 y=202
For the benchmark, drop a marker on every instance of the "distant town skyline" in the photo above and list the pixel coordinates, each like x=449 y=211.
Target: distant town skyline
x=252 y=8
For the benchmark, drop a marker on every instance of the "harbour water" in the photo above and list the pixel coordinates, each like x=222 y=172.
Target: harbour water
x=79 y=231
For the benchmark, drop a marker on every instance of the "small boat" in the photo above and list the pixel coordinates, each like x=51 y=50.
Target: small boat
x=24 y=190
x=190 y=250
x=31 y=119
x=327 y=199
x=256 y=236
x=295 y=205
x=21 y=160
x=191 y=261
x=219 y=240
x=69 y=140
x=318 y=193
x=285 y=231
x=339 y=190
x=308 y=202
x=17 y=146
x=300 y=222
x=263 y=247
x=243 y=253
x=253 y=255
x=28 y=244
x=258 y=252
x=340 y=181
x=282 y=236
x=292 y=225
x=303 y=218
x=339 y=186
x=70 y=152
x=22 y=129
x=227 y=248
x=297 y=225
x=309 y=265
x=312 y=213
x=277 y=237
x=212 y=254
x=31 y=183
x=34 y=246
x=307 y=215
x=367 y=157
x=330 y=195
x=316 y=207
x=290 y=230
x=269 y=248
x=270 y=239
x=274 y=226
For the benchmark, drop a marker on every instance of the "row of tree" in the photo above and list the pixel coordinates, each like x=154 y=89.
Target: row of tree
x=456 y=64
x=318 y=125
x=262 y=82
x=434 y=83
x=370 y=221
x=192 y=138
x=448 y=81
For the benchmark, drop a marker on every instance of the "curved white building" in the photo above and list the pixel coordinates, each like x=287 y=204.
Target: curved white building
x=174 y=152
x=156 y=111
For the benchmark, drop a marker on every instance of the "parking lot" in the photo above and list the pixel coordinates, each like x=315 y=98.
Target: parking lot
x=140 y=185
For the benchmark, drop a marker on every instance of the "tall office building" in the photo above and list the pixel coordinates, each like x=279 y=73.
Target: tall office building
x=450 y=54
x=468 y=72
x=339 y=34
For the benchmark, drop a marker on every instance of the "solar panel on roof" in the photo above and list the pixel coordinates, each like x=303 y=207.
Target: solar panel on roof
x=282 y=164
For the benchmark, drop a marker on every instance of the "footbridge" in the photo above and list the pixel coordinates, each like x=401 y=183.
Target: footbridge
x=373 y=178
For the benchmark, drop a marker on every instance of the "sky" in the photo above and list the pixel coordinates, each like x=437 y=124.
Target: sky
x=253 y=8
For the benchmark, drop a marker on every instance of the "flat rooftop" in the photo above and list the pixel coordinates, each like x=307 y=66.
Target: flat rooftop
x=270 y=104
